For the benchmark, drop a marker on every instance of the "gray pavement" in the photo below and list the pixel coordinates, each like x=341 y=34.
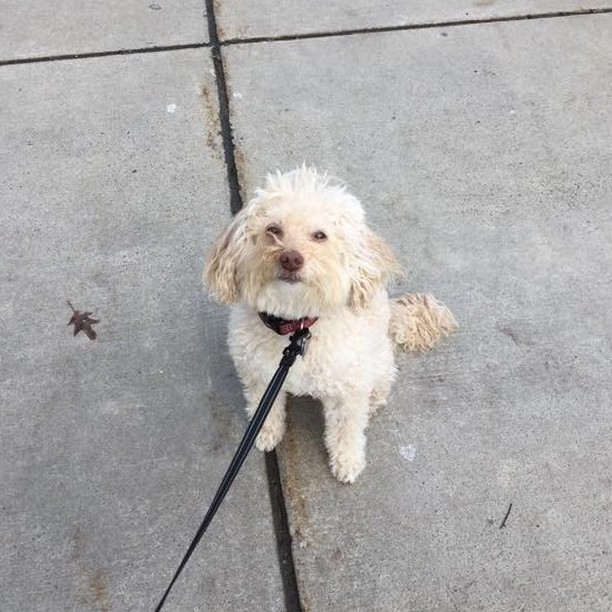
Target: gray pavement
x=39 y=29
x=482 y=152
x=110 y=451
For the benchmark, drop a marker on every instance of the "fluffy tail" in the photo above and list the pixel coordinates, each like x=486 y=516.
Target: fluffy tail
x=419 y=321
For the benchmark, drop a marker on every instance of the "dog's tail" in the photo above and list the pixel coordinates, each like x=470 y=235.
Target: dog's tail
x=419 y=321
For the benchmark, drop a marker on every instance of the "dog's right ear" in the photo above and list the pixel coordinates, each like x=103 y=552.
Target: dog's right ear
x=221 y=274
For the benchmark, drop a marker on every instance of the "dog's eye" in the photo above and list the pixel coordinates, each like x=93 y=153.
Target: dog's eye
x=319 y=236
x=274 y=230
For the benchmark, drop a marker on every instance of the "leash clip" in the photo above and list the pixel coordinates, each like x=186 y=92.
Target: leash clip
x=302 y=341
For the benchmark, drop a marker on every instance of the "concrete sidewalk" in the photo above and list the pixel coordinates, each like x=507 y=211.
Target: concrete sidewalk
x=481 y=151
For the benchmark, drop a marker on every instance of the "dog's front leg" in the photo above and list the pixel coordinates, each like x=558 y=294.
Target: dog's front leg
x=346 y=419
x=274 y=426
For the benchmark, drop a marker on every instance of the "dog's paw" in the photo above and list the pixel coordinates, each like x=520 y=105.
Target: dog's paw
x=346 y=468
x=268 y=438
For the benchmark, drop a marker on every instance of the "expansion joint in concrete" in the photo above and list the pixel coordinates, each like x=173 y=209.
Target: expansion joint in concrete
x=407 y=27
x=224 y=111
x=216 y=45
x=277 y=499
x=94 y=54
x=283 y=535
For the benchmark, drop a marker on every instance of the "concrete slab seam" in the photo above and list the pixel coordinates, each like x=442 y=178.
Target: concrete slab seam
x=416 y=26
x=224 y=115
x=96 y=54
x=218 y=44
x=277 y=500
x=283 y=534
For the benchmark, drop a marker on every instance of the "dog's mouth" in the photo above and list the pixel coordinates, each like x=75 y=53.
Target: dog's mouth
x=290 y=277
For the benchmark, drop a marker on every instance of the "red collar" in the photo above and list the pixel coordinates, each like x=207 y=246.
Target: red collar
x=285 y=326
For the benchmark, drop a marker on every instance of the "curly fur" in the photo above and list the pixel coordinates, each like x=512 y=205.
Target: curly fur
x=349 y=365
x=419 y=321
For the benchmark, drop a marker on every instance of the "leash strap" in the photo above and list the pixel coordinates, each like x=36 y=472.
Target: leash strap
x=296 y=347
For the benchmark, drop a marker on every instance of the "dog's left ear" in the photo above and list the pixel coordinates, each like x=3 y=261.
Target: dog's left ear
x=375 y=264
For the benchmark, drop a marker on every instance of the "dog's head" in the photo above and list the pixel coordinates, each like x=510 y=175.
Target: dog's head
x=300 y=247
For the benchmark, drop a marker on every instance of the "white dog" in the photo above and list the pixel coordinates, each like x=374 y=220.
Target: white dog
x=300 y=253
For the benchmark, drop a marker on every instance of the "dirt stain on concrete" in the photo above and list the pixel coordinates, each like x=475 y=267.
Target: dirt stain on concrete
x=305 y=601
x=99 y=590
x=518 y=331
x=217 y=7
x=211 y=120
x=96 y=597
x=291 y=486
x=241 y=168
x=222 y=421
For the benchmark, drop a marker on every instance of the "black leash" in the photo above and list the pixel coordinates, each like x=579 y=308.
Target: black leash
x=296 y=347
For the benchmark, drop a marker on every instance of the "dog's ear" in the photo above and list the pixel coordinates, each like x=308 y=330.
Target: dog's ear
x=374 y=265
x=222 y=266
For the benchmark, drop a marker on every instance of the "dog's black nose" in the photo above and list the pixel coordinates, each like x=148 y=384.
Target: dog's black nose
x=291 y=261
